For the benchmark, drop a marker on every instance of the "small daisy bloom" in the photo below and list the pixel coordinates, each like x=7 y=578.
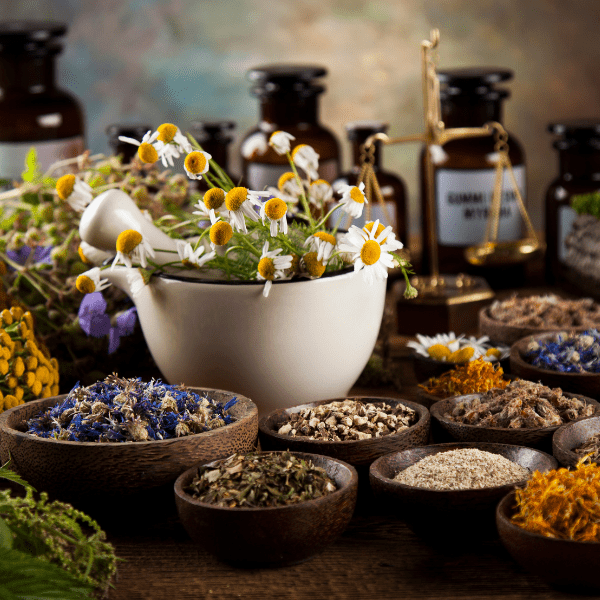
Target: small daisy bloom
x=91 y=255
x=370 y=253
x=254 y=145
x=288 y=189
x=131 y=245
x=275 y=211
x=305 y=157
x=135 y=281
x=220 y=233
x=240 y=203
x=90 y=281
x=280 y=141
x=323 y=244
x=353 y=199
x=211 y=205
x=319 y=192
x=446 y=340
x=147 y=148
x=271 y=266
x=74 y=191
x=189 y=256
x=196 y=164
x=172 y=143
x=312 y=265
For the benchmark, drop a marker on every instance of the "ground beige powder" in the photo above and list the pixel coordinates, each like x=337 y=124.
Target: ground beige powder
x=463 y=469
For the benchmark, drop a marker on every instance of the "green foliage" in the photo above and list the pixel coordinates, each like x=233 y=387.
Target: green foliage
x=587 y=204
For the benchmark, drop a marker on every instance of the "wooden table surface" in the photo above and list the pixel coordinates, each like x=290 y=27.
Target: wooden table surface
x=377 y=557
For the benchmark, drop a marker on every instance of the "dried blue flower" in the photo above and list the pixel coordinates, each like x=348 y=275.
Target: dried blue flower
x=41 y=255
x=567 y=353
x=92 y=315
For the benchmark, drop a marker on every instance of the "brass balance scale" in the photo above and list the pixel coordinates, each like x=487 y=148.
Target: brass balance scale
x=451 y=302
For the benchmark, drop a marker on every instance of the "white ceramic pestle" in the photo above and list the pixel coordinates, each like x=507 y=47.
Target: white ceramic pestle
x=111 y=213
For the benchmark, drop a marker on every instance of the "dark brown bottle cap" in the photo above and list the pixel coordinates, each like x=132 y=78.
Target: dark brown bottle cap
x=576 y=132
x=286 y=78
x=31 y=36
x=219 y=131
x=474 y=81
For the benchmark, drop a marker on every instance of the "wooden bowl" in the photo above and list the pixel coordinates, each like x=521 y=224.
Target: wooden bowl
x=271 y=536
x=359 y=453
x=562 y=563
x=571 y=435
x=587 y=384
x=534 y=437
x=100 y=476
x=435 y=513
x=502 y=333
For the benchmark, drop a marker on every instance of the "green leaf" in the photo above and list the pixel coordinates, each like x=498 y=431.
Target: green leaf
x=32 y=167
x=30 y=198
x=6 y=536
x=6 y=473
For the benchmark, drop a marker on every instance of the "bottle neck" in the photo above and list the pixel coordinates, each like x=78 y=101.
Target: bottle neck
x=356 y=154
x=288 y=110
x=218 y=150
x=27 y=74
x=578 y=164
x=470 y=111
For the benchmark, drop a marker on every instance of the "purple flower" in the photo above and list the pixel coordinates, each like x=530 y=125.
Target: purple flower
x=41 y=255
x=92 y=315
x=125 y=326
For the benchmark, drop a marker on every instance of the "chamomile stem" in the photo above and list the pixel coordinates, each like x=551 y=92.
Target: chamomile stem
x=303 y=198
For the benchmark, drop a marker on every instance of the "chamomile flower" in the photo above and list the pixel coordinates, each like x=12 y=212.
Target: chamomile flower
x=240 y=203
x=212 y=204
x=280 y=141
x=271 y=266
x=131 y=245
x=220 y=233
x=147 y=148
x=425 y=342
x=323 y=244
x=446 y=347
x=172 y=143
x=305 y=157
x=136 y=281
x=275 y=210
x=189 y=256
x=370 y=251
x=288 y=189
x=196 y=164
x=255 y=145
x=353 y=199
x=90 y=281
x=91 y=255
x=319 y=192
x=74 y=191
x=311 y=264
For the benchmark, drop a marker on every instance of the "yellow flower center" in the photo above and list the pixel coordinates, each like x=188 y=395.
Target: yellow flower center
x=288 y=176
x=439 y=352
x=213 y=199
x=275 y=209
x=369 y=227
x=320 y=182
x=493 y=352
x=220 y=233
x=166 y=132
x=85 y=285
x=195 y=162
x=297 y=149
x=462 y=356
x=128 y=241
x=266 y=268
x=314 y=267
x=326 y=237
x=65 y=185
x=370 y=252
x=235 y=198
x=18 y=367
x=147 y=153
x=3 y=366
x=295 y=268
x=83 y=257
x=7 y=318
x=357 y=195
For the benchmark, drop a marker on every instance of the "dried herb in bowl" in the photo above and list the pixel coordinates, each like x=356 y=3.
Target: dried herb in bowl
x=129 y=410
x=260 y=480
x=567 y=353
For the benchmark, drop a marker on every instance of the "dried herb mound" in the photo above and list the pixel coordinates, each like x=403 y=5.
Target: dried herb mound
x=258 y=480
x=471 y=378
x=567 y=353
x=590 y=449
x=562 y=504
x=349 y=420
x=129 y=410
x=523 y=404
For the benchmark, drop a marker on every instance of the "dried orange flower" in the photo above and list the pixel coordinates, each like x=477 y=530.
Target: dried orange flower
x=475 y=376
x=562 y=504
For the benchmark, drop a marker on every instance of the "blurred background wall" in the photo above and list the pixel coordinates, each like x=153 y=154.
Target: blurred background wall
x=181 y=60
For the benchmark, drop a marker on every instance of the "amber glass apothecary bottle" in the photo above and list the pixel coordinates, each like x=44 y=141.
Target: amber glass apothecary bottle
x=34 y=111
x=578 y=148
x=289 y=101
x=464 y=172
x=392 y=187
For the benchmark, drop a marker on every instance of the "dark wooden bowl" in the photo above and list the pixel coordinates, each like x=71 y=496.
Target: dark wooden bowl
x=358 y=453
x=501 y=333
x=535 y=437
x=100 y=476
x=565 y=564
x=587 y=384
x=571 y=435
x=271 y=536
x=461 y=513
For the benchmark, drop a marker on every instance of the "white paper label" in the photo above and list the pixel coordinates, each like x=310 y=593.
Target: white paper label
x=566 y=216
x=261 y=176
x=13 y=154
x=463 y=199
